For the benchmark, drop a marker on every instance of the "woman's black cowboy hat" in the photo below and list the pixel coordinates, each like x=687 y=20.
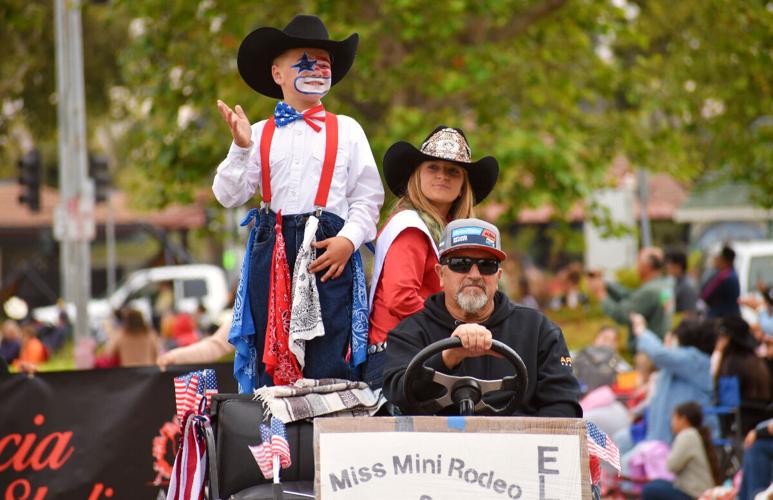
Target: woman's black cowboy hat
x=444 y=143
x=259 y=49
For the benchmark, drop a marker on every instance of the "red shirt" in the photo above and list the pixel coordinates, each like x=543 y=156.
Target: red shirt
x=408 y=277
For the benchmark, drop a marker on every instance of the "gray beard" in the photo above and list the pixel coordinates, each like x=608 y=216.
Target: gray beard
x=471 y=303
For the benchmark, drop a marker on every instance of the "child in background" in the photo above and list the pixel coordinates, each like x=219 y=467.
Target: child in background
x=692 y=459
x=33 y=351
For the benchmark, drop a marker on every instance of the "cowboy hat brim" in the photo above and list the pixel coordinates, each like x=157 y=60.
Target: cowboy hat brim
x=402 y=158
x=259 y=49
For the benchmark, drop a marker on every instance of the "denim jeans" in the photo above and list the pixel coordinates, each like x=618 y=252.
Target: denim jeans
x=325 y=356
x=757 y=469
x=373 y=371
x=660 y=489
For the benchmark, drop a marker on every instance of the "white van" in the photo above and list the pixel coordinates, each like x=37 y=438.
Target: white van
x=192 y=284
x=754 y=264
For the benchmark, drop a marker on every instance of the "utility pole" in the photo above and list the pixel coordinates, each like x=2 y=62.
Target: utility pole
x=642 y=181
x=74 y=217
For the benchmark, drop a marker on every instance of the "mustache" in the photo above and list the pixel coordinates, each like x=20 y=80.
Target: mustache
x=478 y=283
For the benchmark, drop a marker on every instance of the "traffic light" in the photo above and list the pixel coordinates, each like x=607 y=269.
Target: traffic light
x=30 y=171
x=99 y=172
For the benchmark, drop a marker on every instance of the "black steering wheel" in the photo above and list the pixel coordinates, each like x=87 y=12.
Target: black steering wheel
x=466 y=392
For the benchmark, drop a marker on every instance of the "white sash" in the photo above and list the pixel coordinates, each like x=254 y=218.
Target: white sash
x=396 y=225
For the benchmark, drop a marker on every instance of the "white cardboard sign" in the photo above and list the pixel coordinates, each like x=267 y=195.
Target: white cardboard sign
x=443 y=465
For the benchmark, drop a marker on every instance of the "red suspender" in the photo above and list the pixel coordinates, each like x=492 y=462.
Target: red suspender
x=265 y=152
x=328 y=164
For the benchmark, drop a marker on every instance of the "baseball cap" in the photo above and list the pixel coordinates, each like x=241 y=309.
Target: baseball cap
x=471 y=233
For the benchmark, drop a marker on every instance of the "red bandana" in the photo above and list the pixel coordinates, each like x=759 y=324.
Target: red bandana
x=281 y=364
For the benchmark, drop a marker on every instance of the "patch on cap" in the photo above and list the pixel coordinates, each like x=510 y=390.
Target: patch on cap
x=473 y=235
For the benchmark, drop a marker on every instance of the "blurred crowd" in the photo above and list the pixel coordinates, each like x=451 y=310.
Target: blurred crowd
x=26 y=343
x=133 y=340
x=681 y=377
x=130 y=337
x=708 y=377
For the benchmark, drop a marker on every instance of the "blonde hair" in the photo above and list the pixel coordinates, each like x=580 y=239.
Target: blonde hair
x=461 y=208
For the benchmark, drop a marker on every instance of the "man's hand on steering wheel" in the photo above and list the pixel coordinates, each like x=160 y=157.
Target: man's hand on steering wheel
x=476 y=342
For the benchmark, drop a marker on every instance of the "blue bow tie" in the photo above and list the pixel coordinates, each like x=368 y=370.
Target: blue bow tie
x=284 y=114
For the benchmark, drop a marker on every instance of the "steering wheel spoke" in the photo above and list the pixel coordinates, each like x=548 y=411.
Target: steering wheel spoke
x=446 y=380
x=491 y=385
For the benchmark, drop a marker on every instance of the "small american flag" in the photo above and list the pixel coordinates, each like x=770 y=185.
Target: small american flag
x=601 y=446
x=191 y=387
x=274 y=443
x=186 y=388
x=207 y=385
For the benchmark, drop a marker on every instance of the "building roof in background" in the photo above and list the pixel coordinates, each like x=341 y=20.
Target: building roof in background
x=721 y=202
x=15 y=215
x=666 y=195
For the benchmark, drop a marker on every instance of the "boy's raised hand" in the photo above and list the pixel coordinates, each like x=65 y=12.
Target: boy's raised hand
x=338 y=249
x=238 y=123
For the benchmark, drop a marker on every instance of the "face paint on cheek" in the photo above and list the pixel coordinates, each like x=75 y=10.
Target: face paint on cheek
x=313 y=75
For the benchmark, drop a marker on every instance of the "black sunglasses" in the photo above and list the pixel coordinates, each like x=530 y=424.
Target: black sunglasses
x=486 y=267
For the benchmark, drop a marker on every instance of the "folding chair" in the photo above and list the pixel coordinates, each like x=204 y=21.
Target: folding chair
x=728 y=411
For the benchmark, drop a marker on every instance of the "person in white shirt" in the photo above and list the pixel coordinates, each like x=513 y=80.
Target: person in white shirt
x=321 y=165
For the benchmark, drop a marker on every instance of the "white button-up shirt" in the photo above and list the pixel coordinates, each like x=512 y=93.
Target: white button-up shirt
x=297 y=151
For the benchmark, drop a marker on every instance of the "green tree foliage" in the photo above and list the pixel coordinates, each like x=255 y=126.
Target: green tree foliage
x=553 y=88
x=28 y=73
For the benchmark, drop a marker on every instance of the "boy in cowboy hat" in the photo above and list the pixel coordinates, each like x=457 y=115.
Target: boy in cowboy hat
x=310 y=165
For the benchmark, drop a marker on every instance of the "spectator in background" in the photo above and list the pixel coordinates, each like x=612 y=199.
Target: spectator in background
x=654 y=299
x=571 y=295
x=757 y=461
x=685 y=290
x=203 y=321
x=684 y=374
x=10 y=342
x=722 y=290
x=524 y=292
x=763 y=329
x=692 y=459
x=598 y=364
x=33 y=352
x=184 y=330
x=136 y=344
x=738 y=359
x=163 y=303
x=765 y=312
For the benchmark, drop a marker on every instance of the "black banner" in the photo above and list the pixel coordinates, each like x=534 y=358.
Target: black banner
x=91 y=435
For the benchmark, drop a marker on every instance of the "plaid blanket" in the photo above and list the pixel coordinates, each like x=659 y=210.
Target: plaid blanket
x=309 y=398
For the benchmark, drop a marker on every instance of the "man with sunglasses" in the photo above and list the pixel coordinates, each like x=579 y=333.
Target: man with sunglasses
x=471 y=308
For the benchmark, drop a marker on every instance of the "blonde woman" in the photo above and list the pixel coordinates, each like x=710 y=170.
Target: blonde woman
x=435 y=184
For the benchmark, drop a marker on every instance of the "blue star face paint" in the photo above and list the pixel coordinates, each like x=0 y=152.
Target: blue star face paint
x=314 y=75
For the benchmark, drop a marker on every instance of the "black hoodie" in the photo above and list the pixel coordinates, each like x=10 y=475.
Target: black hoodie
x=552 y=391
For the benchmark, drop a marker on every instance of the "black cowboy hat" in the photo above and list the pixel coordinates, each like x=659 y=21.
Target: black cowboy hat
x=444 y=143
x=259 y=49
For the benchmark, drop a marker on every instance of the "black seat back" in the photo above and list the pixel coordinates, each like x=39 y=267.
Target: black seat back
x=235 y=421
